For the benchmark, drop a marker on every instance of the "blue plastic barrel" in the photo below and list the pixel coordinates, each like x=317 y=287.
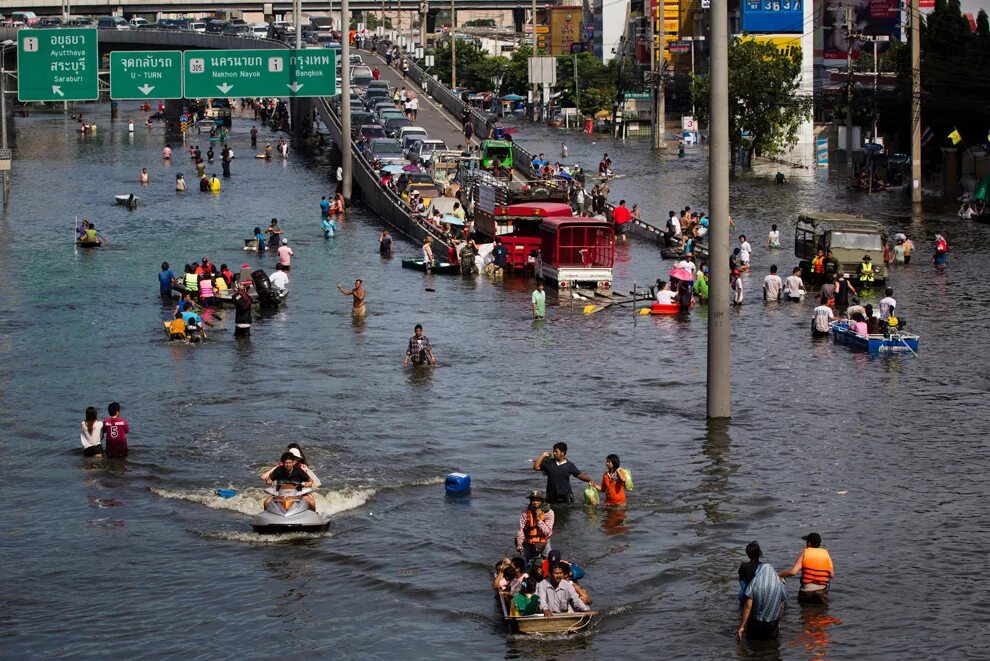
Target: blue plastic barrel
x=457 y=483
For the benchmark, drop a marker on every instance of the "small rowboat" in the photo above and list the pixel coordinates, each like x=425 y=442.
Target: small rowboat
x=89 y=244
x=438 y=266
x=875 y=345
x=661 y=308
x=560 y=623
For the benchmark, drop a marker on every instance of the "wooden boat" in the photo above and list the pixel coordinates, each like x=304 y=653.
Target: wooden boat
x=127 y=200
x=445 y=268
x=89 y=244
x=897 y=342
x=560 y=623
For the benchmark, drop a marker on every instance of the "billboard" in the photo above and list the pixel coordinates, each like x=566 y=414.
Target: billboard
x=869 y=17
x=565 y=29
x=779 y=16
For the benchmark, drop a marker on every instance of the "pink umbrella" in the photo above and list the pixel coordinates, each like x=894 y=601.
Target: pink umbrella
x=681 y=274
x=410 y=168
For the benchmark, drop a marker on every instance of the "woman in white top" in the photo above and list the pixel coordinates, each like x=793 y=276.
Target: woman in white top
x=666 y=296
x=89 y=434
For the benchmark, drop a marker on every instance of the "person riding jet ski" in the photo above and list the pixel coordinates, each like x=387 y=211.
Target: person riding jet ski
x=290 y=474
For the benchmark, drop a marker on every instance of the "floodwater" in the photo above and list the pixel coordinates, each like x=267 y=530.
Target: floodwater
x=886 y=458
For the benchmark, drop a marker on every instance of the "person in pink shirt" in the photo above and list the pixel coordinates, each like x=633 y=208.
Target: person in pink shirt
x=285 y=255
x=115 y=431
x=858 y=324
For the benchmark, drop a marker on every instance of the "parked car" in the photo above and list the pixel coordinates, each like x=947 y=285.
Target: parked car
x=239 y=31
x=49 y=22
x=413 y=130
x=423 y=151
x=356 y=59
x=376 y=95
x=381 y=106
x=80 y=22
x=386 y=115
x=394 y=125
x=21 y=18
x=370 y=132
x=168 y=24
x=361 y=117
x=137 y=22
x=112 y=23
x=259 y=30
x=385 y=150
x=217 y=26
x=198 y=26
x=379 y=85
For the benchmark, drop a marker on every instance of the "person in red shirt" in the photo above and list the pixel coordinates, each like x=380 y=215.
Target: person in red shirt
x=115 y=431
x=621 y=216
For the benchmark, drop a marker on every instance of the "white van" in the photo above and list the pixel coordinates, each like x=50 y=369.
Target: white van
x=112 y=23
x=137 y=23
x=259 y=31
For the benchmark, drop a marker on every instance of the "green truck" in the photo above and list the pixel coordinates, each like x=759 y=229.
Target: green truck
x=496 y=151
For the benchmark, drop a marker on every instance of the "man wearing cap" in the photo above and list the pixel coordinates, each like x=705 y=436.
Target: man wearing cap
x=535 y=528
x=558 y=472
x=285 y=256
x=865 y=272
x=762 y=599
x=815 y=566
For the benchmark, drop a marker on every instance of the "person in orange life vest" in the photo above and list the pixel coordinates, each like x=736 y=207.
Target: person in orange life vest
x=613 y=483
x=818 y=269
x=535 y=528
x=814 y=564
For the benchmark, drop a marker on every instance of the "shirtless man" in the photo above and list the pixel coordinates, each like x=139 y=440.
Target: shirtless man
x=358 y=293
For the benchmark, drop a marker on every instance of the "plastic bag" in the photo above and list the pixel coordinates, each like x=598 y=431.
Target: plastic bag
x=590 y=495
x=629 y=481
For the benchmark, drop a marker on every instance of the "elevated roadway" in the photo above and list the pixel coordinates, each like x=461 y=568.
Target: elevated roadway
x=128 y=7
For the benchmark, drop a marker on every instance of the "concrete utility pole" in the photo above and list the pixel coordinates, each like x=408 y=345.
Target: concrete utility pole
x=297 y=18
x=915 y=103
x=345 y=98
x=849 y=87
x=453 y=46
x=3 y=116
x=658 y=60
x=719 y=350
x=424 y=10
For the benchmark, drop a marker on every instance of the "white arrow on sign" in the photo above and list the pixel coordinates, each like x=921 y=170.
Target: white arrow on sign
x=295 y=87
x=57 y=89
x=146 y=88
x=225 y=88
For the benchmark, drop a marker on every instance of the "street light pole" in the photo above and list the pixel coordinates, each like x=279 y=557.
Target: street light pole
x=915 y=103
x=719 y=349
x=3 y=116
x=297 y=18
x=345 y=99
x=453 y=46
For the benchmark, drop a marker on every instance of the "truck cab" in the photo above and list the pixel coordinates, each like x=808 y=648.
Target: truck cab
x=849 y=237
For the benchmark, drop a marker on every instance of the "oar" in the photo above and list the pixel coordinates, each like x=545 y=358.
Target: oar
x=102 y=238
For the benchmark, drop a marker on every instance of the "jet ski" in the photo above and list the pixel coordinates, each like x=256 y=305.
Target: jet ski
x=288 y=512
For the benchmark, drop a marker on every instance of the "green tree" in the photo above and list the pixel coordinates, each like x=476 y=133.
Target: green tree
x=763 y=96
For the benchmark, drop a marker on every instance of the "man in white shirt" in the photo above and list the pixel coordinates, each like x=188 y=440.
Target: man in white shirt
x=688 y=265
x=665 y=296
x=279 y=279
x=772 y=284
x=794 y=285
x=673 y=230
x=822 y=319
x=887 y=305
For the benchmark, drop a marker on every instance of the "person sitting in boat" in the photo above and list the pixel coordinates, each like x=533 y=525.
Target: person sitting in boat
x=290 y=475
x=557 y=595
x=279 y=280
x=194 y=327
x=525 y=601
x=665 y=296
x=505 y=577
x=177 y=327
x=89 y=234
x=572 y=573
x=872 y=322
x=858 y=324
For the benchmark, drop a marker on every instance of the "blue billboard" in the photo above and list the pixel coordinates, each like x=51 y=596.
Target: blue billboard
x=773 y=16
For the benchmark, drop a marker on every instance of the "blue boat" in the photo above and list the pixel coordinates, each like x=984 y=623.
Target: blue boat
x=875 y=345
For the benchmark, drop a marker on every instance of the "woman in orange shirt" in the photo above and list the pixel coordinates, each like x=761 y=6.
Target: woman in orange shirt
x=613 y=483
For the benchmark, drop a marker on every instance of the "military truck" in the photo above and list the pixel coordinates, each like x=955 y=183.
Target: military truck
x=850 y=238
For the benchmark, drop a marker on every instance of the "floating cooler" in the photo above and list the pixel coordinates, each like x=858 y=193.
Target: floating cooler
x=457 y=483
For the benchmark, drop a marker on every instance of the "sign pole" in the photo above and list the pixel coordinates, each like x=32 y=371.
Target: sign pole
x=345 y=98
x=3 y=129
x=915 y=103
x=719 y=349
x=453 y=46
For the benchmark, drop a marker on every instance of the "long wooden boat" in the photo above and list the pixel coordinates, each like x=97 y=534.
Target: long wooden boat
x=874 y=344
x=89 y=244
x=444 y=268
x=560 y=623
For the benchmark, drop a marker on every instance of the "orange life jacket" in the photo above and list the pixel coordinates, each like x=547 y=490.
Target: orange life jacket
x=531 y=532
x=816 y=566
x=818 y=265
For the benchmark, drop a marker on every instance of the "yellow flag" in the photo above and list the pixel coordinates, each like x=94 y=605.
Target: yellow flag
x=955 y=137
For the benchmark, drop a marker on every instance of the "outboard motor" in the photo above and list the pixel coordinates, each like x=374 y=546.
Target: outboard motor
x=267 y=297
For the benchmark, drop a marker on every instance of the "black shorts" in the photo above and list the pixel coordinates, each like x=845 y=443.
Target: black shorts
x=760 y=630
x=93 y=451
x=286 y=268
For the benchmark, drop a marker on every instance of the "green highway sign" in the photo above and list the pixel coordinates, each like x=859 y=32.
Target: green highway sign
x=247 y=73
x=57 y=65
x=136 y=74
